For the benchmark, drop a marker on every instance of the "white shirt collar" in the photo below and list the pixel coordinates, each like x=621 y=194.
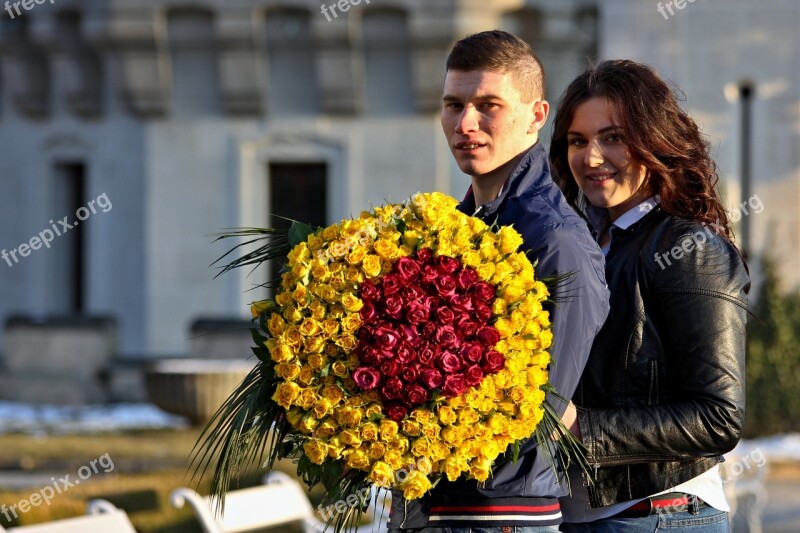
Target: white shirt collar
x=636 y=213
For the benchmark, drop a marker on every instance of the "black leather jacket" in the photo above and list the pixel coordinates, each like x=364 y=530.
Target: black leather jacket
x=662 y=395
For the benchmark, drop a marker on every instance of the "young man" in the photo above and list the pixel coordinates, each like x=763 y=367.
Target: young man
x=493 y=110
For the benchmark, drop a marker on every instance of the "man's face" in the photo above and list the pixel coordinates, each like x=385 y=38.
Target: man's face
x=486 y=121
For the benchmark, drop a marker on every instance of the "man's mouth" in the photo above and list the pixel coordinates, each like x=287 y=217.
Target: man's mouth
x=469 y=145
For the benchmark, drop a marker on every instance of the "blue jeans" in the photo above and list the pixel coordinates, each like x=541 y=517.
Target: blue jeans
x=707 y=520
x=508 y=529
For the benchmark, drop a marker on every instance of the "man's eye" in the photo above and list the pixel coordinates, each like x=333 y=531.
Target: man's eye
x=489 y=105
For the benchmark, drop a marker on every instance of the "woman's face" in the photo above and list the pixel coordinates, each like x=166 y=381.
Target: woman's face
x=600 y=160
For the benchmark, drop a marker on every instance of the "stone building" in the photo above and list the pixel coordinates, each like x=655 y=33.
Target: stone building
x=158 y=123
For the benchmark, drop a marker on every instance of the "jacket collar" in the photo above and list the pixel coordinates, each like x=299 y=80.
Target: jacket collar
x=532 y=172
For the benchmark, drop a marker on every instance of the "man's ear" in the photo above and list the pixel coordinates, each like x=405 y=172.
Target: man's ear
x=541 y=108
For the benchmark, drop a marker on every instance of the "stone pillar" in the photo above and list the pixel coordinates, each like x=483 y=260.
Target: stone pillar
x=139 y=36
x=340 y=73
x=240 y=64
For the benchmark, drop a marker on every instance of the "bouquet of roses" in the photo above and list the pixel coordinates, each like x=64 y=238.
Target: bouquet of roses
x=401 y=347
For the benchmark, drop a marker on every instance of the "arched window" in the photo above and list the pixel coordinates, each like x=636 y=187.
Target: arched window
x=195 y=81
x=389 y=84
x=292 y=85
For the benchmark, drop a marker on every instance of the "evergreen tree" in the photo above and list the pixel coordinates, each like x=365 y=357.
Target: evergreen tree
x=773 y=360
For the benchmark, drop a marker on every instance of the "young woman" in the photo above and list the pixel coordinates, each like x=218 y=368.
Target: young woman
x=662 y=396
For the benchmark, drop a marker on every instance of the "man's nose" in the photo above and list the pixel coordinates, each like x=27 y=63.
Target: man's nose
x=468 y=120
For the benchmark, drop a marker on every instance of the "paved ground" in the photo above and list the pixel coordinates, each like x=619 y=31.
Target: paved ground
x=782 y=511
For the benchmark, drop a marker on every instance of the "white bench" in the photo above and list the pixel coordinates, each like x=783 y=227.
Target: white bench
x=280 y=500
x=102 y=517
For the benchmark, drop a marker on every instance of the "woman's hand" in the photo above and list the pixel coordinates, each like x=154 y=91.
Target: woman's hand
x=570 y=420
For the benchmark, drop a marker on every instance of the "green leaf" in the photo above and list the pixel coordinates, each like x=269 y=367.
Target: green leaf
x=331 y=474
x=298 y=233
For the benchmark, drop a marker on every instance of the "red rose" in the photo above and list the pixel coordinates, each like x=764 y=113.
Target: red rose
x=425 y=255
x=404 y=354
x=446 y=285
x=454 y=385
x=414 y=292
x=483 y=312
x=394 y=306
x=409 y=334
x=449 y=362
x=488 y=335
x=408 y=269
x=369 y=312
x=446 y=337
x=392 y=389
x=368 y=356
x=396 y=411
x=484 y=291
x=390 y=284
x=461 y=302
x=427 y=354
x=369 y=292
x=390 y=368
x=410 y=373
x=430 y=378
x=471 y=352
x=386 y=338
x=429 y=330
x=466 y=278
x=493 y=361
x=429 y=274
x=416 y=395
x=473 y=375
x=417 y=313
x=445 y=315
x=366 y=378
x=466 y=326
x=447 y=265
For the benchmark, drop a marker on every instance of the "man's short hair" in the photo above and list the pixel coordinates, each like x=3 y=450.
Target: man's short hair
x=502 y=52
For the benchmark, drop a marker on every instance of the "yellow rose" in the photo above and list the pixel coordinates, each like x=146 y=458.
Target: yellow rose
x=358 y=459
x=411 y=427
x=510 y=240
x=351 y=438
x=388 y=429
x=283 y=298
x=373 y=409
x=416 y=485
x=333 y=393
x=421 y=447
x=307 y=399
x=453 y=466
x=317 y=361
x=318 y=310
x=330 y=233
x=394 y=458
x=286 y=393
x=351 y=322
x=308 y=423
x=354 y=276
x=485 y=271
x=381 y=474
x=339 y=369
x=310 y=327
x=322 y=408
x=293 y=315
x=350 y=416
x=300 y=271
x=377 y=449
x=369 y=431
x=256 y=308
x=282 y=353
x=351 y=302
x=356 y=256
x=299 y=253
x=314 y=344
x=326 y=428
x=347 y=342
x=371 y=266
x=480 y=468
x=287 y=371
x=276 y=325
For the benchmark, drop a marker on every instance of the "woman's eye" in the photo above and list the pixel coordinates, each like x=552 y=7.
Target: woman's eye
x=576 y=142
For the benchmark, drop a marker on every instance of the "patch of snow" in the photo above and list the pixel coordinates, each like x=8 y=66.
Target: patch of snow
x=59 y=419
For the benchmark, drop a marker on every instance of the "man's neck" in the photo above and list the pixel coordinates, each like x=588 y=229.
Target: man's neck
x=487 y=187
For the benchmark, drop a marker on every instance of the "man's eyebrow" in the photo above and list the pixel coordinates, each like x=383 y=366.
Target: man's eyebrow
x=483 y=98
